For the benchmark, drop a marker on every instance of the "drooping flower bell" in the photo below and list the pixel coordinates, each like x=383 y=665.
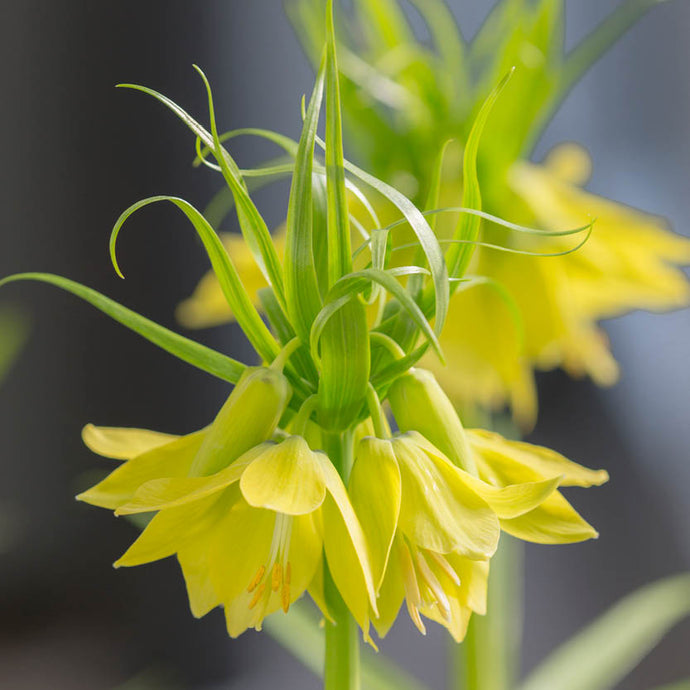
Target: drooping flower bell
x=242 y=514
x=431 y=529
x=418 y=402
x=427 y=531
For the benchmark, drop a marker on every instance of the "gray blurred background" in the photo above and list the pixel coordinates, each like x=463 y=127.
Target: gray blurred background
x=76 y=152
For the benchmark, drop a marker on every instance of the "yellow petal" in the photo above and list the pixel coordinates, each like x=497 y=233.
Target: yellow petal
x=515 y=499
x=170 y=530
x=346 y=548
x=240 y=545
x=159 y=494
x=391 y=594
x=569 y=162
x=122 y=444
x=243 y=545
x=169 y=460
x=317 y=593
x=420 y=404
x=439 y=511
x=248 y=417
x=194 y=561
x=509 y=458
x=306 y=554
x=486 y=363
x=375 y=493
x=286 y=478
x=554 y=522
x=631 y=258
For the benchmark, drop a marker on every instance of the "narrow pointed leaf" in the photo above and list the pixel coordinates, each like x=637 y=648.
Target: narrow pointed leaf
x=458 y=256
x=425 y=236
x=601 y=655
x=301 y=284
x=360 y=280
x=240 y=303
x=339 y=249
x=252 y=224
x=189 y=351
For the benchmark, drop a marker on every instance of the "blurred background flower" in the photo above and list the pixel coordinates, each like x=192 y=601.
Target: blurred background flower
x=77 y=153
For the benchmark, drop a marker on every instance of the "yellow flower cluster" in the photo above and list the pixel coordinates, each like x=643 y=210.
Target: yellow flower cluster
x=254 y=514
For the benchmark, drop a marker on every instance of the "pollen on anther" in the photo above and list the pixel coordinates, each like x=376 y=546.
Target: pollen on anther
x=257 y=596
x=285 y=596
x=257 y=578
x=277 y=578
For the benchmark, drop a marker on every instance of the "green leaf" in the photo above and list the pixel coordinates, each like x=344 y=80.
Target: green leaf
x=253 y=227
x=14 y=329
x=398 y=367
x=241 y=305
x=602 y=654
x=384 y=23
x=679 y=685
x=301 y=284
x=425 y=235
x=193 y=353
x=593 y=46
x=339 y=249
x=357 y=282
x=252 y=224
x=458 y=256
x=286 y=333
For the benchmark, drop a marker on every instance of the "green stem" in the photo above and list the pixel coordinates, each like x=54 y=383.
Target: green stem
x=489 y=657
x=342 y=665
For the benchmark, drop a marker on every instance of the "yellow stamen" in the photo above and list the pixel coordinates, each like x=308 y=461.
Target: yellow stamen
x=413 y=597
x=277 y=577
x=285 y=592
x=257 y=578
x=447 y=568
x=285 y=597
x=257 y=597
x=438 y=596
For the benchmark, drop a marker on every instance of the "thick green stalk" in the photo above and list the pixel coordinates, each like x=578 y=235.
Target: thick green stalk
x=489 y=657
x=342 y=665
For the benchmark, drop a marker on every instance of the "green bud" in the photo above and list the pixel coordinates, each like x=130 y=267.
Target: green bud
x=419 y=404
x=248 y=417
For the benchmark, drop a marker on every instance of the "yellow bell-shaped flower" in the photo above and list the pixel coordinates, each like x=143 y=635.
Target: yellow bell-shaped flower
x=418 y=402
x=421 y=521
x=431 y=528
x=248 y=537
x=243 y=515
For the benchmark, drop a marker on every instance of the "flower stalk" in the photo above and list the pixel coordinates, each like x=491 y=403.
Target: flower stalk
x=342 y=655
